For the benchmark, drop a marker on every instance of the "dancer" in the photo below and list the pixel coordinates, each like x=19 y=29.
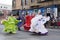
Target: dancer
x=10 y=24
x=22 y=20
x=28 y=21
x=37 y=25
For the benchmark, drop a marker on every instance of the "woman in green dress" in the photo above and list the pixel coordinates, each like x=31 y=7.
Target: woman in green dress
x=10 y=24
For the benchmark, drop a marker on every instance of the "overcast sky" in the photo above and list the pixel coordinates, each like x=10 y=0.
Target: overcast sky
x=7 y=2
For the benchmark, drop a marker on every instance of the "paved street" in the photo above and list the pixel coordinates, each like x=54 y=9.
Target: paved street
x=54 y=34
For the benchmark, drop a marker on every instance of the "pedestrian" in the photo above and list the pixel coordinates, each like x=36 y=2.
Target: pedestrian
x=48 y=19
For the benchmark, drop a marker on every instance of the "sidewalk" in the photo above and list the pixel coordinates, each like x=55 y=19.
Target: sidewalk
x=54 y=27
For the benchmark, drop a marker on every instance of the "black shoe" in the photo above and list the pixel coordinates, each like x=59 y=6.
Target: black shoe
x=19 y=29
x=42 y=34
x=10 y=32
x=34 y=32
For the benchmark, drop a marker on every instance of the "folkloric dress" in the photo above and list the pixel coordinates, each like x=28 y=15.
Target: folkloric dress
x=27 y=22
x=37 y=25
x=10 y=25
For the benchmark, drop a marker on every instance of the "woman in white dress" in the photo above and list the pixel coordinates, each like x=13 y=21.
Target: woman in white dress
x=37 y=24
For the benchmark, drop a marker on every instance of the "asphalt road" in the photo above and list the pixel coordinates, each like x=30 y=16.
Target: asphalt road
x=54 y=34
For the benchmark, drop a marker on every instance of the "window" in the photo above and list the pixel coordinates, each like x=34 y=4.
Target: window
x=4 y=7
x=14 y=3
x=39 y=1
x=32 y=0
x=22 y=2
x=26 y=2
x=1 y=6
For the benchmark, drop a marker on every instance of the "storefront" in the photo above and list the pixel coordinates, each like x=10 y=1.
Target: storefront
x=53 y=10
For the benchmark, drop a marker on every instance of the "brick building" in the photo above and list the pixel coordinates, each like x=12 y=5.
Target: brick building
x=46 y=6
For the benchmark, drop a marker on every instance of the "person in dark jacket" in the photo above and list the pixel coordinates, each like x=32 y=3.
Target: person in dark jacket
x=21 y=23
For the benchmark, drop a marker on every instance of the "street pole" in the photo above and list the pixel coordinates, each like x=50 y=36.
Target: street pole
x=22 y=4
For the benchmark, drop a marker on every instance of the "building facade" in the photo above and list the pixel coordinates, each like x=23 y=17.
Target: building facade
x=46 y=6
x=27 y=4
